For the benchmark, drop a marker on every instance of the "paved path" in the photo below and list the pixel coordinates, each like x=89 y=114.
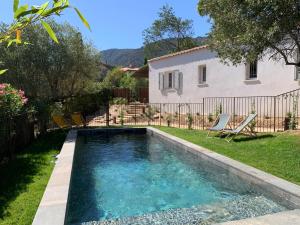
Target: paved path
x=291 y=217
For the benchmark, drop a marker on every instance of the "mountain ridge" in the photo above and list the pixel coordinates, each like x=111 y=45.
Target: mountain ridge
x=133 y=57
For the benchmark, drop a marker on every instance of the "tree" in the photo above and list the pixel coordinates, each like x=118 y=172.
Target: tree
x=168 y=33
x=25 y=15
x=45 y=70
x=248 y=30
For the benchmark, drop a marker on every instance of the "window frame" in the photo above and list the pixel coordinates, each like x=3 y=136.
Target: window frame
x=170 y=80
x=202 y=75
x=252 y=70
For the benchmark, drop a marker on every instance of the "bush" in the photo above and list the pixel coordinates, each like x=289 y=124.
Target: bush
x=11 y=100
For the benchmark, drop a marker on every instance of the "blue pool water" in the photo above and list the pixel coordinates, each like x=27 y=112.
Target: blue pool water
x=124 y=175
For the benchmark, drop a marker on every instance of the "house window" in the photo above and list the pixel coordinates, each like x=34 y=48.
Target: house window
x=297 y=74
x=252 y=70
x=202 y=74
x=170 y=80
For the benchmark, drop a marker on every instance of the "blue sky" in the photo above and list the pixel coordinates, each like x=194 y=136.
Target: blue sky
x=119 y=23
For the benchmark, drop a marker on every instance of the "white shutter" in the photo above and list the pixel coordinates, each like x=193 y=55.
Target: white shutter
x=161 y=81
x=166 y=80
x=199 y=74
x=176 y=79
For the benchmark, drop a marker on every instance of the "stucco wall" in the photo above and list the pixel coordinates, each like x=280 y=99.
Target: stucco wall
x=222 y=81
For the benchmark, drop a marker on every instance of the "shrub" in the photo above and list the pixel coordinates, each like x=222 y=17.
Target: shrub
x=11 y=100
x=190 y=120
x=149 y=113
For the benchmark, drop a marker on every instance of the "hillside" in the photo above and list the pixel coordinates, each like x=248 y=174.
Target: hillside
x=133 y=57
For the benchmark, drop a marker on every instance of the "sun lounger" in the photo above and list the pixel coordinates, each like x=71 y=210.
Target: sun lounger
x=220 y=124
x=244 y=125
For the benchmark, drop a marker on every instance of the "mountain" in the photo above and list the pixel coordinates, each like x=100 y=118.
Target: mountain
x=132 y=57
x=123 y=57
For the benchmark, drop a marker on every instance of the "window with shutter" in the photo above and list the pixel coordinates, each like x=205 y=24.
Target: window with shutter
x=176 y=80
x=202 y=74
x=170 y=80
x=161 y=81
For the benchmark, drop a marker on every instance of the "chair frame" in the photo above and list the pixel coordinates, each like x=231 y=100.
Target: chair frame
x=215 y=123
x=246 y=128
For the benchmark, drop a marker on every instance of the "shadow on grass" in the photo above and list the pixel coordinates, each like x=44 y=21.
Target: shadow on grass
x=15 y=176
x=253 y=138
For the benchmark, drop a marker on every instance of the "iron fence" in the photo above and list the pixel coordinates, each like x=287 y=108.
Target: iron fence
x=274 y=113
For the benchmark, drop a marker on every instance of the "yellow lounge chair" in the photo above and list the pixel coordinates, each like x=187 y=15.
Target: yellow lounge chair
x=60 y=122
x=78 y=119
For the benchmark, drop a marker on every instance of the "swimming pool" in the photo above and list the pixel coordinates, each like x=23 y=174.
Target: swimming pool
x=136 y=178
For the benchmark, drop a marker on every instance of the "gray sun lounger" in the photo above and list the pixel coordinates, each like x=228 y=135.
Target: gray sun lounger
x=220 y=124
x=244 y=125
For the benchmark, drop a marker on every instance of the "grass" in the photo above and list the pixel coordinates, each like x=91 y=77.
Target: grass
x=278 y=153
x=24 y=180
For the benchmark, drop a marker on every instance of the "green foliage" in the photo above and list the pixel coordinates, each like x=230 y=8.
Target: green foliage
x=118 y=101
x=149 y=113
x=291 y=120
x=121 y=115
x=210 y=118
x=169 y=119
x=117 y=78
x=49 y=31
x=11 y=101
x=219 y=110
x=276 y=153
x=168 y=33
x=190 y=120
x=26 y=178
x=47 y=71
x=128 y=81
x=113 y=78
x=25 y=15
x=247 y=30
x=252 y=124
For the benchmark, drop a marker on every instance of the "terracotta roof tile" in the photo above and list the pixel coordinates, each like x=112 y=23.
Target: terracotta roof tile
x=178 y=53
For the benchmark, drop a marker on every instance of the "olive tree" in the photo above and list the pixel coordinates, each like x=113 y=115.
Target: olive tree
x=26 y=15
x=250 y=29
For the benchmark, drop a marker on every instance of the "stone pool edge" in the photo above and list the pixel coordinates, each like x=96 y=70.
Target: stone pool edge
x=53 y=206
x=272 y=186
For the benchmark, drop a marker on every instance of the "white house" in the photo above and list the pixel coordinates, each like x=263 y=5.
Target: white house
x=189 y=76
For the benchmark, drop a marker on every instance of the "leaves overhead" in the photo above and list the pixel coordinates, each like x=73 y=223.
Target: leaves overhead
x=25 y=15
x=49 y=31
x=247 y=30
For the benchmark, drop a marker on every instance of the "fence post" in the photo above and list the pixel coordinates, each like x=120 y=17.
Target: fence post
x=274 y=114
x=135 y=117
x=159 y=114
x=234 y=111
x=107 y=114
x=179 y=115
x=203 y=114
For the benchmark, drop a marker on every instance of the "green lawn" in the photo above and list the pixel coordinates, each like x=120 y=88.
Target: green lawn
x=278 y=153
x=24 y=180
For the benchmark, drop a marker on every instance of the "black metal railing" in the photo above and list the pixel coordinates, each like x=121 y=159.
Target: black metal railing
x=275 y=113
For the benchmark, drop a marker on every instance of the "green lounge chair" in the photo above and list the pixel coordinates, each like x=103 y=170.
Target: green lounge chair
x=244 y=125
x=220 y=123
